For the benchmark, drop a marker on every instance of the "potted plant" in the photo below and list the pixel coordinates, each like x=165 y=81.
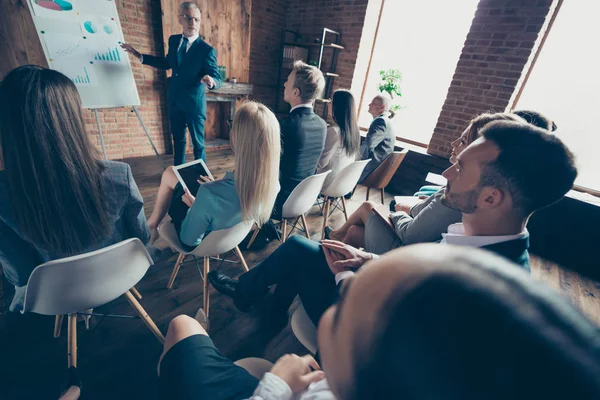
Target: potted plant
x=390 y=83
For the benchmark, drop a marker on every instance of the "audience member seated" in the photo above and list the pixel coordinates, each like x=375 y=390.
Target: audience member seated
x=302 y=132
x=342 y=144
x=57 y=198
x=537 y=118
x=423 y=322
x=424 y=222
x=380 y=140
x=497 y=182
x=246 y=194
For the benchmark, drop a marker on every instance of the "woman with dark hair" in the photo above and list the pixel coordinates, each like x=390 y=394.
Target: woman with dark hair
x=342 y=143
x=56 y=198
x=422 y=322
x=537 y=118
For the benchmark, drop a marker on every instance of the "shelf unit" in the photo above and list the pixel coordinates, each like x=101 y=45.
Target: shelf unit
x=325 y=44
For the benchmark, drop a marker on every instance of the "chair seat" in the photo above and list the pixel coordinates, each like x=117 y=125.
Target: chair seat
x=304 y=329
x=257 y=367
x=168 y=232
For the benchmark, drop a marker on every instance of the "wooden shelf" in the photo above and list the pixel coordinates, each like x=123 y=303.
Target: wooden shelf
x=323 y=100
x=331 y=74
x=327 y=45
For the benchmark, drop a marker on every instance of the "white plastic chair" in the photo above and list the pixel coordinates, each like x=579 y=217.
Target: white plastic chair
x=297 y=205
x=343 y=184
x=73 y=284
x=257 y=367
x=304 y=329
x=215 y=243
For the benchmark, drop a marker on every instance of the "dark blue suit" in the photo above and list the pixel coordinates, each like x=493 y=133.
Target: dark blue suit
x=187 y=95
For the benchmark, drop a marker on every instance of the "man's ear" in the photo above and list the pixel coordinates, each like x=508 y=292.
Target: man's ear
x=296 y=92
x=490 y=197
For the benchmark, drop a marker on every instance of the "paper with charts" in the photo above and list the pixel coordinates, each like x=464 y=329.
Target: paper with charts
x=81 y=39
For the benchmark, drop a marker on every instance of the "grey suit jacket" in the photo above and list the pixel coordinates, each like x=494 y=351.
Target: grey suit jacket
x=378 y=144
x=19 y=256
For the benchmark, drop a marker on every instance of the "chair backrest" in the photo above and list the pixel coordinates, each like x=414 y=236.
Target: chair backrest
x=303 y=196
x=345 y=181
x=222 y=241
x=85 y=281
x=383 y=174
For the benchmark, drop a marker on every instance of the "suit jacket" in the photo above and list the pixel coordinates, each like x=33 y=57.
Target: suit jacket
x=303 y=135
x=186 y=92
x=378 y=144
x=19 y=256
x=513 y=250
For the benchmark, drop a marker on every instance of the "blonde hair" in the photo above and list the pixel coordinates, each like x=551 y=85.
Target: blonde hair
x=257 y=147
x=309 y=80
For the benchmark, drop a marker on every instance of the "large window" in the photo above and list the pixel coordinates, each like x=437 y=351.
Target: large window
x=564 y=84
x=422 y=39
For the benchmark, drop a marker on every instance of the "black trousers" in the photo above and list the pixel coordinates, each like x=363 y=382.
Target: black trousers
x=195 y=123
x=298 y=267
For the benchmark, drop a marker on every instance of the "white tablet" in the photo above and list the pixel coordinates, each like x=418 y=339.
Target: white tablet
x=191 y=172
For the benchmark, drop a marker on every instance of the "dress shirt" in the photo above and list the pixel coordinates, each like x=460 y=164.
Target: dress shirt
x=191 y=40
x=456 y=235
x=307 y=105
x=340 y=276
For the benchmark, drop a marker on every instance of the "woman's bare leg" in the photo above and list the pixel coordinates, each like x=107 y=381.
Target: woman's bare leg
x=180 y=328
x=163 y=199
x=358 y=218
x=355 y=236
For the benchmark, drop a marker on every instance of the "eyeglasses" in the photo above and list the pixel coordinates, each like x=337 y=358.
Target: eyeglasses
x=189 y=19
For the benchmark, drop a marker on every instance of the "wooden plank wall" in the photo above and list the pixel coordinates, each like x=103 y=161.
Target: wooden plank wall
x=226 y=27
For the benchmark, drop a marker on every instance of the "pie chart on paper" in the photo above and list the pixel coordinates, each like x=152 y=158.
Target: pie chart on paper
x=55 y=5
x=90 y=26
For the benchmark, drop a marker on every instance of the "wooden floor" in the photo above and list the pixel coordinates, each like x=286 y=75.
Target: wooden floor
x=117 y=357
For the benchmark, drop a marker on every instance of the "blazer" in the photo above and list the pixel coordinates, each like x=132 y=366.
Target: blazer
x=19 y=255
x=378 y=144
x=303 y=135
x=186 y=92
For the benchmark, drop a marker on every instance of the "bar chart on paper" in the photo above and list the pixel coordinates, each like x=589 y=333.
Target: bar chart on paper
x=82 y=79
x=111 y=55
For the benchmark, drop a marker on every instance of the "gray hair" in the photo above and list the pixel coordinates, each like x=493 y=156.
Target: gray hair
x=385 y=99
x=186 y=5
x=309 y=80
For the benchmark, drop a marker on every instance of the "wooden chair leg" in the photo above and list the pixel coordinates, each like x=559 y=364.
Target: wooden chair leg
x=325 y=215
x=283 y=230
x=306 y=232
x=241 y=257
x=175 y=270
x=368 y=191
x=205 y=297
x=253 y=238
x=144 y=315
x=57 y=325
x=72 y=341
x=344 y=207
x=136 y=293
x=382 y=195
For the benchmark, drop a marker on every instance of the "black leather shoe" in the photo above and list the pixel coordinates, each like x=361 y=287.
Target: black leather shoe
x=228 y=287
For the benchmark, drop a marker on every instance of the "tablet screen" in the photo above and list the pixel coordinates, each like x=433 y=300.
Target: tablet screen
x=188 y=174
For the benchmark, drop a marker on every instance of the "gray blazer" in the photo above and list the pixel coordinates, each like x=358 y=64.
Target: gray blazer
x=19 y=256
x=378 y=144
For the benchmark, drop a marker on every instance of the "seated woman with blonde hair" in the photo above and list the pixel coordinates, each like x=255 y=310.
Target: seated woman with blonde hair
x=248 y=194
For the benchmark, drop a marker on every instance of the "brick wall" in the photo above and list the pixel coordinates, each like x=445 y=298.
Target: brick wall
x=123 y=134
x=496 y=50
x=268 y=20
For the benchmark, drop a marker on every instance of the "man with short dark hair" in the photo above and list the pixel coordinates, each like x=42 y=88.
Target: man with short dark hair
x=497 y=183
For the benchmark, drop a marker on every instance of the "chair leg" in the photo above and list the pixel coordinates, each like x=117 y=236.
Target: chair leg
x=306 y=232
x=283 y=230
x=72 y=341
x=57 y=325
x=325 y=215
x=368 y=191
x=175 y=270
x=241 y=257
x=344 y=206
x=205 y=297
x=136 y=293
x=145 y=317
x=382 y=195
x=253 y=238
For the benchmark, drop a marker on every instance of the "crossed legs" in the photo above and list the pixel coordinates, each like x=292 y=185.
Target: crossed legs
x=353 y=230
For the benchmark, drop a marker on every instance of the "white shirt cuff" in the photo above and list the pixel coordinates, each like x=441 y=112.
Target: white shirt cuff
x=272 y=387
x=340 y=276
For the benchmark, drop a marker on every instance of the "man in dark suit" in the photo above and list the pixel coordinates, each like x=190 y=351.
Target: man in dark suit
x=302 y=132
x=194 y=65
x=497 y=183
x=380 y=140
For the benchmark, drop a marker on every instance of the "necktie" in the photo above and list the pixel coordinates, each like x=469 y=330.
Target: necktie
x=181 y=51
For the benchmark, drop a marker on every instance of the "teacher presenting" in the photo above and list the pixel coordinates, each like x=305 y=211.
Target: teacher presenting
x=194 y=65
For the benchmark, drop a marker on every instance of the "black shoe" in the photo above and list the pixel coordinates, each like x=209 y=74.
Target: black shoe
x=328 y=231
x=393 y=206
x=271 y=231
x=228 y=287
x=348 y=196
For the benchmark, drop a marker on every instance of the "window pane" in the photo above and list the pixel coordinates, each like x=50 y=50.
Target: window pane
x=565 y=84
x=425 y=46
